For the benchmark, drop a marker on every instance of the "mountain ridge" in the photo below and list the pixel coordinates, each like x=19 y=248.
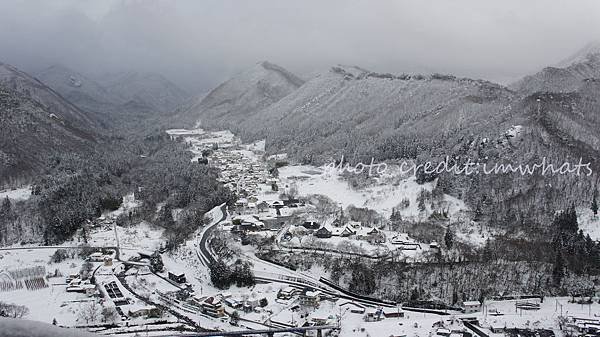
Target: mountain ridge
x=249 y=91
x=19 y=81
x=115 y=100
x=352 y=112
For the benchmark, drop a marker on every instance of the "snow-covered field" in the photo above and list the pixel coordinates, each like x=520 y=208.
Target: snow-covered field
x=140 y=237
x=22 y=193
x=381 y=197
x=46 y=303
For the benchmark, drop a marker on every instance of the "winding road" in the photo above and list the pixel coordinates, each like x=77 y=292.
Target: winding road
x=204 y=253
x=290 y=277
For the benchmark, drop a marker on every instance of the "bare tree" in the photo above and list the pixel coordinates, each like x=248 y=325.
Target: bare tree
x=89 y=312
x=13 y=310
x=109 y=314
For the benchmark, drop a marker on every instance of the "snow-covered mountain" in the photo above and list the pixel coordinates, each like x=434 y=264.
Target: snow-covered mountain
x=79 y=89
x=246 y=93
x=30 y=87
x=361 y=115
x=570 y=75
x=30 y=133
x=152 y=90
x=35 y=123
x=581 y=55
x=122 y=100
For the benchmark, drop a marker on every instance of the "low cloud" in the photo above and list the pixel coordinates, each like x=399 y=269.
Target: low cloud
x=200 y=43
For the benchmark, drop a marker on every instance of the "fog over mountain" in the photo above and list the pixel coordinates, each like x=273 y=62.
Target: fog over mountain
x=198 y=44
x=339 y=168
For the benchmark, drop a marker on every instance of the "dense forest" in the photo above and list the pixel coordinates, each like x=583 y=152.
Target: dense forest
x=75 y=188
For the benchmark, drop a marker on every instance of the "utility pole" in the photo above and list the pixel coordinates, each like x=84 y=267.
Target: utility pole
x=561 y=308
x=118 y=252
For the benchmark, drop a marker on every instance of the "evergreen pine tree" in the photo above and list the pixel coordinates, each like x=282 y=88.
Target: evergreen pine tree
x=220 y=275
x=558 y=271
x=449 y=238
x=5 y=218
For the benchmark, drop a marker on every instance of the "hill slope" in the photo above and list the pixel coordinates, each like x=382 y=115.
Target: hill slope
x=121 y=101
x=31 y=133
x=28 y=86
x=82 y=91
x=152 y=90
x=570 y=75
x=361 y=115
x=243 y=95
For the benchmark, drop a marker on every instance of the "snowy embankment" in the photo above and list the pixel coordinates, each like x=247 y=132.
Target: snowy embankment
x=25 y=328
x=22 y=193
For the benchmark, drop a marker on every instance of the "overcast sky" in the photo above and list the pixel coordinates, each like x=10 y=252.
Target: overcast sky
x=198 y=43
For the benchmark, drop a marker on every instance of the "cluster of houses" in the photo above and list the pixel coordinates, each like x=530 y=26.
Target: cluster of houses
x=215 y=306
x=107 y=259
x=270 y=215
x=76 y=284
x=582 y=326
x=308 y=298
x=357 y=231
x=351 y=229
x=238 y=172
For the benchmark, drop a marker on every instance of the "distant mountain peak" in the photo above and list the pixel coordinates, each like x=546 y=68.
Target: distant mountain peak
x=31 y=87
x=245 y=93
x=589 y=52
x=268 y=66
x=348 y=70
x=570 y=75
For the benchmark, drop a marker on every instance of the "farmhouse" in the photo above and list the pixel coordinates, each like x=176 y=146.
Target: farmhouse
x=148 y=311
x=311 y=225
x=393 y=313
x=471 y=306
x=309 y=298
x=287 y=293
x=323 y=233
x=212 y=306
x=230 y=302
x=177 y=277
x=344 y=232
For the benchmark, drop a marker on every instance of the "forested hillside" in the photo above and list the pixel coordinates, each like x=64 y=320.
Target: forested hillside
x=29 y=87
x=240 y=97
x=30 y=134
x=121 y=101
x=358 y=114
x=75 y=188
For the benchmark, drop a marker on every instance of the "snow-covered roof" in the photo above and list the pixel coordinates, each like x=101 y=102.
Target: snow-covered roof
x=471 y=303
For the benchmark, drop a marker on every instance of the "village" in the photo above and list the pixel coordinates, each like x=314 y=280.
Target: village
x=119 y=280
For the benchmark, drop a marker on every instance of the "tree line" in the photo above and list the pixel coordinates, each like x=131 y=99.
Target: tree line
x=74 y=189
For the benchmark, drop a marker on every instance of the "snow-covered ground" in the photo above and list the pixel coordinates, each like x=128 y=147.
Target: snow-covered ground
x=140 y=237
x=381 y=197
x=22 y=193
x=420 y=324
x=46 y=303
x=589 y=223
